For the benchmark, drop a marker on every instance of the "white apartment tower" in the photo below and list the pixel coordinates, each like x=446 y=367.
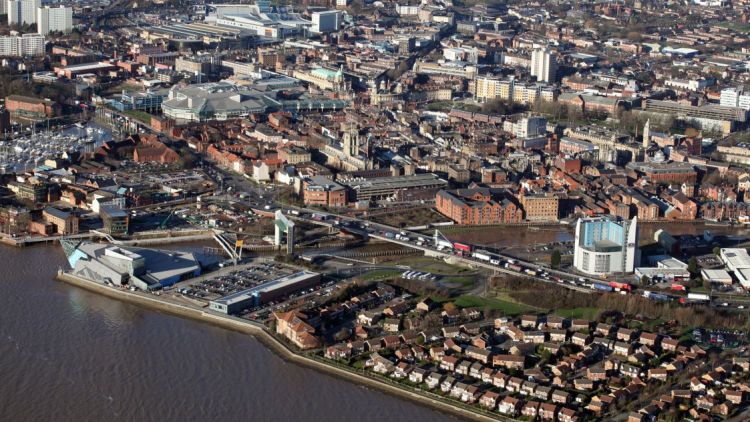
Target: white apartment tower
x=54 y=19
x=24 y=45
x=543 y=65
x=22 y=11
x=735 y=97
x=326 y=21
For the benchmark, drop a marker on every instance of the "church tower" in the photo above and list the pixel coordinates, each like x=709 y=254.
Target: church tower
x=647 y=134
x=351 y=142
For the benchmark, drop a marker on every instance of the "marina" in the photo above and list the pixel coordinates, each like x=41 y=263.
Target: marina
x=27 y=152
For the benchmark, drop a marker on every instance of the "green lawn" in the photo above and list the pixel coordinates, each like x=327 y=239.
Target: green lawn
x=380 y=274
x=699 y=289
x=578 y=313
x=464 y=280
x=431 y=265
x=509 y=308
x=138 y=115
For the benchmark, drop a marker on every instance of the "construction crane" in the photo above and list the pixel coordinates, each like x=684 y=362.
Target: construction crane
x=163 y=224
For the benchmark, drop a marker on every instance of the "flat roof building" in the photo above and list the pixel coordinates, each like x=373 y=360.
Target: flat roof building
x=735 y=258
x=380 y=188
x=236 y=302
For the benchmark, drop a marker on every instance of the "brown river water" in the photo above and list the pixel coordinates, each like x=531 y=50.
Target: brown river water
x=67 y=354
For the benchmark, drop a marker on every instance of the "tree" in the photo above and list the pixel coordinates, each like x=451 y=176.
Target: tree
x=693 y=266
x=555 y=259
x=717 y=250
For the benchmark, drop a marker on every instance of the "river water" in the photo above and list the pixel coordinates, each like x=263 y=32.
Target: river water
x=70 y=355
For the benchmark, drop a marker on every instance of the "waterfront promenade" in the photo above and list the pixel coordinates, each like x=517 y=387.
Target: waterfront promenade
x=260 y=331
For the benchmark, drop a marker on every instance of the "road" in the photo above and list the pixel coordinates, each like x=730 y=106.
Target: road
x=264 y=198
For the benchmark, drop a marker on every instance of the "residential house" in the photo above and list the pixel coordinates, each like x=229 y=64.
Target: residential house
x=448 y=363
x=529 y=321
x=462 y=368
x=391 y=325
x=418 y=375
x=604 y=329
x=547 y=411
x=447 y=384
x=649 y=339
x=515 y=333
x=509 y=406
x=500 y=380
x=567 y=414
x=433 y=380
x=658 y=374
x=475 y=370
x=478 y=354
x=531 y=410
x=543 y=393
x=508 y=361
x=580 y=325
x=401 y=370
x=558 y=336
x=380 y=364
x=536 y=337
x=489 y=399
x=560 y=396
x=514 y=384
x=580 y=339
x=622 y=348
x=487 y=375
x=670 y=344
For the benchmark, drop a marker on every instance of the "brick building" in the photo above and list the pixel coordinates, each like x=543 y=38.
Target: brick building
x=478 y=206
x=322 y=191
x=21 y=106
x=539 y=206
x=65 y=223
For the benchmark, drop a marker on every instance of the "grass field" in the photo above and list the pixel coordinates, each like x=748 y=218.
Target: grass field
x=380 y=275
x=431 y=265
x=508 y=308
x=409 y=217
x=578 y=313
x=138 y=115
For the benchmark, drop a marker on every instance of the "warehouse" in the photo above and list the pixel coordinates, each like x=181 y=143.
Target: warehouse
x=716 y=276
x=264 y=293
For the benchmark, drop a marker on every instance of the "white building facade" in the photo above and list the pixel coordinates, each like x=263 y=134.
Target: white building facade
x=328 y=21
x=543 y=65
x=22 y=11
x=54 y=19
x=606 y=246
x=22 y=45
x=735 y=97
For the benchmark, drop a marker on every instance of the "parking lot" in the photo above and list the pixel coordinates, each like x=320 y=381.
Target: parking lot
x=235 y=281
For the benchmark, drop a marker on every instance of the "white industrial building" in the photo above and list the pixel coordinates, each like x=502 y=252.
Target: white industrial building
x=737 y=261
x=606 y=246
x=327 y=21
x=22 y=11
x=716 y=276
x=264 y=293
x=54 y=19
